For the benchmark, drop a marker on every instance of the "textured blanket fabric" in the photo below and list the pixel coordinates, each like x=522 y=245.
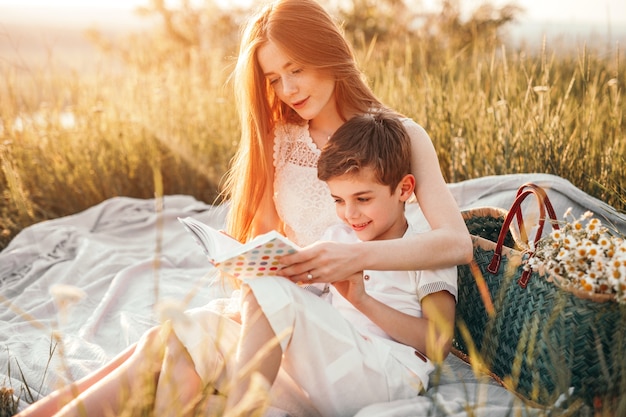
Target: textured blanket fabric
x=127 y=256
x=499 y=191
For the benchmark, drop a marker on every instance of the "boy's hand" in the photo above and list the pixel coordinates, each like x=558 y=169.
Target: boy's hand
x=352 y=289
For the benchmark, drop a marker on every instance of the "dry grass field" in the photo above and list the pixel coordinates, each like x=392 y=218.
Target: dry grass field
x=131 y=115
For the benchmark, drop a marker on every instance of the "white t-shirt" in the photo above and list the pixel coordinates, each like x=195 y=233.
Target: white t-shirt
x=402 y=290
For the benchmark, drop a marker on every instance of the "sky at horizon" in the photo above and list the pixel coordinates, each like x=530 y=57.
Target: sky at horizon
x=575 y=11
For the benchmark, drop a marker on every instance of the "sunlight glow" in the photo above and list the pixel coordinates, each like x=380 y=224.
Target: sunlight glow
x=109 y=4
x=579 y=11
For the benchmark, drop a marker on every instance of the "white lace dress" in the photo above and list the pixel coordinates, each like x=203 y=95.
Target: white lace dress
x=303 y=201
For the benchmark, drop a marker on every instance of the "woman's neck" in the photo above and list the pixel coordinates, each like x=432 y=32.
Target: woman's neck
x=322 y=127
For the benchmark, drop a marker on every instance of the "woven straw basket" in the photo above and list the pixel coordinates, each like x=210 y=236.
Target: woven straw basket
x=540 y=340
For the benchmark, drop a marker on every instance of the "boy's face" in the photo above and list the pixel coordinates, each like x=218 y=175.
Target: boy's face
x=370 y=208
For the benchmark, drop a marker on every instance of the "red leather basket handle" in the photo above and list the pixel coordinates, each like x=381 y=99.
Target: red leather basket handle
x=546 y=203
x=516 y=211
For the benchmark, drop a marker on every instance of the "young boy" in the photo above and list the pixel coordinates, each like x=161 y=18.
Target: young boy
x=367 y=167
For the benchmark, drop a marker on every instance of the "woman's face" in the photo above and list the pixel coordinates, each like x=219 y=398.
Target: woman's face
x=306 y=90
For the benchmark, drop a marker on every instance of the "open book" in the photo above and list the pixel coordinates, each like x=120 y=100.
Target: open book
x=255 y=258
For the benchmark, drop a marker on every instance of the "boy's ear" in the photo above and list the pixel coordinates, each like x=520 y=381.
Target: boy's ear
x=407 y=186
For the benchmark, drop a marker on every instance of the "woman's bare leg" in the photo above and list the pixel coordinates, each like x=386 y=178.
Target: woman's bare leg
x=54 y=401
x=258 y=352
x=103 y=390
x=179 y=387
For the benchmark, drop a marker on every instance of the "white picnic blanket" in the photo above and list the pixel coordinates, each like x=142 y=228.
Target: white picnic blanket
x=125 y=255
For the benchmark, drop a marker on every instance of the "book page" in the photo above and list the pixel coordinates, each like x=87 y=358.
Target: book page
x=213 y=242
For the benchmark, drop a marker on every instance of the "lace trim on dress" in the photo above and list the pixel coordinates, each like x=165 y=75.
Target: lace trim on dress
x=299 y=149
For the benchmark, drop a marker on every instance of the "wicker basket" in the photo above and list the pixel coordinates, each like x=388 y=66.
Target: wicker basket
x=541 y=339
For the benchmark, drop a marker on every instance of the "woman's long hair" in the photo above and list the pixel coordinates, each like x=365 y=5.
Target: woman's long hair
x=307 y=34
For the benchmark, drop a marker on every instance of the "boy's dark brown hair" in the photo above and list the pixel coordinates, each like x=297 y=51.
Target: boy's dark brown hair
x=378 y=141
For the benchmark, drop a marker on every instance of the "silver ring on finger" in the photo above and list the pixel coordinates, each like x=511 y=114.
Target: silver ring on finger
x=309 y=276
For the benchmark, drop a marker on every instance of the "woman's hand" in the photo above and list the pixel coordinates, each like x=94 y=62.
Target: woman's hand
x=324 y=261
